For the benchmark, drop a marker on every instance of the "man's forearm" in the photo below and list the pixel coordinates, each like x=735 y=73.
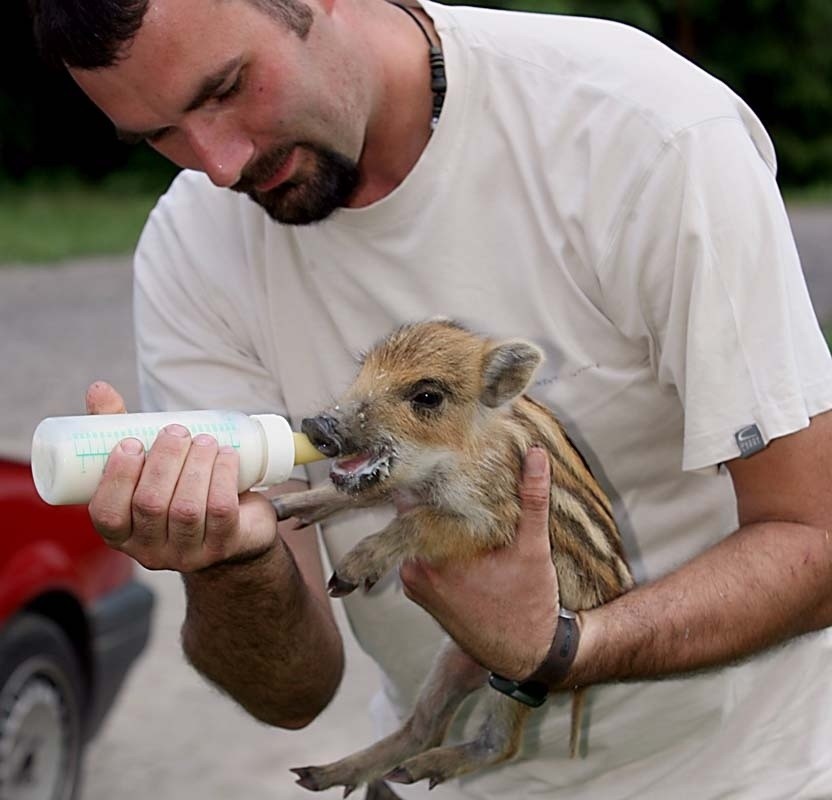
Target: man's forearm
x=257 y=631
x=766 y=583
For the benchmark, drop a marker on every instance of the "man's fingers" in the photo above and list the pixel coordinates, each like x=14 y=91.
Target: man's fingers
x=104 y=399
x=152 y=497
x=223 y=508
x=110 y=507
x=186 y=517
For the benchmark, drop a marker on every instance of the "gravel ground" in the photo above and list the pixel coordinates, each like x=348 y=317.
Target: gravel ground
x=171 y=736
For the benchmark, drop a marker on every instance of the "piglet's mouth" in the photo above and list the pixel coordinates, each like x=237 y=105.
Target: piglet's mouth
x=358 y=472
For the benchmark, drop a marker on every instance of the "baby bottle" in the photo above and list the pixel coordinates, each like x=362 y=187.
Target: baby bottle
x=69 y=453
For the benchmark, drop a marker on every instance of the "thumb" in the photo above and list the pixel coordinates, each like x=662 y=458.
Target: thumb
x=534 y=493
x=104 y=399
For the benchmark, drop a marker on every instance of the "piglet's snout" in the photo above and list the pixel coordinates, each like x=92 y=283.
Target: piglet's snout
x=321 y=432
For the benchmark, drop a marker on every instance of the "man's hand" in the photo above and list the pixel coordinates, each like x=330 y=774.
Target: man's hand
x=502 y=608
x=176 y=506
x=262 y=630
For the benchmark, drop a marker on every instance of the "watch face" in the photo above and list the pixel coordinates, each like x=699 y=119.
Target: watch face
x=530 y=693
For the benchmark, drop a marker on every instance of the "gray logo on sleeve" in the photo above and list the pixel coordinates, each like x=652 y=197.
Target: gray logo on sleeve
x=750 y=440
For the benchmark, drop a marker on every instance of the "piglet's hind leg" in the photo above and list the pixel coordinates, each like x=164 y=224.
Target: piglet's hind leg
x=498 y=739
x=452 y=678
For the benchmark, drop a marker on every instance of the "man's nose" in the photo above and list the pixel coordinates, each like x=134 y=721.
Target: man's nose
x=220 y=151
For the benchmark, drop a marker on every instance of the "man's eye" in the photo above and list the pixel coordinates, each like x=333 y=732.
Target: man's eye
x=232 y=90
x=157 y=136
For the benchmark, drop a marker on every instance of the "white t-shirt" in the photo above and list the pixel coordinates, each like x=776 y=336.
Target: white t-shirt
x=590 y=190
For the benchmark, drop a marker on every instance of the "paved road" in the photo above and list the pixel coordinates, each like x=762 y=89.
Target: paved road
x=171 y=737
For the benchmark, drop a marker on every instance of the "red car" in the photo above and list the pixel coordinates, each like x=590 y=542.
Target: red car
x=72 y=622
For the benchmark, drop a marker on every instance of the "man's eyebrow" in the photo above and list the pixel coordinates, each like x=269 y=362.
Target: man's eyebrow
x=211 y=84
x=207 y=89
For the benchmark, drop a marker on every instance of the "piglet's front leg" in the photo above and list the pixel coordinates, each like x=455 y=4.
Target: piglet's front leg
x=312 y=505
x=374 y=556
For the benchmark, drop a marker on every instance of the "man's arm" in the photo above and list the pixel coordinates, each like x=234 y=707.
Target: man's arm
x=768 y=582
x=257 y=622
x=263 y=631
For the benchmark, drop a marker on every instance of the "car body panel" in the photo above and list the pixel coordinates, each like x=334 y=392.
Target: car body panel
x=53 y=562
x=50 y=548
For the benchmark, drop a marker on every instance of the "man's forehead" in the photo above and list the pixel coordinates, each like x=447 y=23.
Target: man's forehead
x=172 y=28
x=181 y=48
x=164 y=12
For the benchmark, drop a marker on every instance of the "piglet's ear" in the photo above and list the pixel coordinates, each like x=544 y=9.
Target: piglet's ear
x=507 y=370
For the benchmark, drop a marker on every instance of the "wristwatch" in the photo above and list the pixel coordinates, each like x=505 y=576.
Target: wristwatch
x=534 y=690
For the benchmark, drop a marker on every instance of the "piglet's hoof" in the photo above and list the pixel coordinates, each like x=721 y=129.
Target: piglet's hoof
x=310 y=778
x=307 y=778
x=284 y=511
x=399 y=775
x=280 y=508
x=340 y=588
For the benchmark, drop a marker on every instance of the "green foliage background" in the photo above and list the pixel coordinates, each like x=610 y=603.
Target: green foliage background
x=776 y=54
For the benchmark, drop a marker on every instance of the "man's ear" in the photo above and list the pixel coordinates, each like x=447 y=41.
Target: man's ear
x=507 y=370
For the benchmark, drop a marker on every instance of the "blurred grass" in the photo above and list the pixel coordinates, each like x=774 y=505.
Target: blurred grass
x=820 y=194
x=55 y=217
x=42 y=221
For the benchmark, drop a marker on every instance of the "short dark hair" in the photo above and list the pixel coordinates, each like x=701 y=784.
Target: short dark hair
x=91 y=34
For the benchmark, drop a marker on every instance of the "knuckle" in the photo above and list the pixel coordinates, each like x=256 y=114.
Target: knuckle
x=112 y=524
x=187 y=513
x=407 y=573
x=534 y=499
x=149 y=504
x=223 y=510
x=408 y=591
x=413 y=579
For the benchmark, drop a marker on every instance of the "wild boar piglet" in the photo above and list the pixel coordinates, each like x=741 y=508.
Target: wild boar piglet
x=437 y=421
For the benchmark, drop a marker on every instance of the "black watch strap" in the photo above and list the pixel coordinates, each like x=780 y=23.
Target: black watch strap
x=552 y=671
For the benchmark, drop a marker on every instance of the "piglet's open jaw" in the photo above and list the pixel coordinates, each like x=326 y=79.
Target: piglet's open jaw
x=361 y=471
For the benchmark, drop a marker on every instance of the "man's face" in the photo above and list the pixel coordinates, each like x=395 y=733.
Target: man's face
x=219 y=86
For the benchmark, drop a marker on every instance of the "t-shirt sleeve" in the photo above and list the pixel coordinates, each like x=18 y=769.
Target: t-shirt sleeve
x=194 y=344
x=705 y=268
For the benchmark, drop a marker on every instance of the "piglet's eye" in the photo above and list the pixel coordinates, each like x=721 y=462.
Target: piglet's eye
x=426 y=399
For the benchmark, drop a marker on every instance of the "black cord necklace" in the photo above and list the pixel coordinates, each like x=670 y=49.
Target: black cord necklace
x=438 y=83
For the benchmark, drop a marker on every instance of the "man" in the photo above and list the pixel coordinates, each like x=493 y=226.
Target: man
x=583 y=187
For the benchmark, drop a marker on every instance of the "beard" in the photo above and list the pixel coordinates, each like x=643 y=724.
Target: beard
x=312 y=194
